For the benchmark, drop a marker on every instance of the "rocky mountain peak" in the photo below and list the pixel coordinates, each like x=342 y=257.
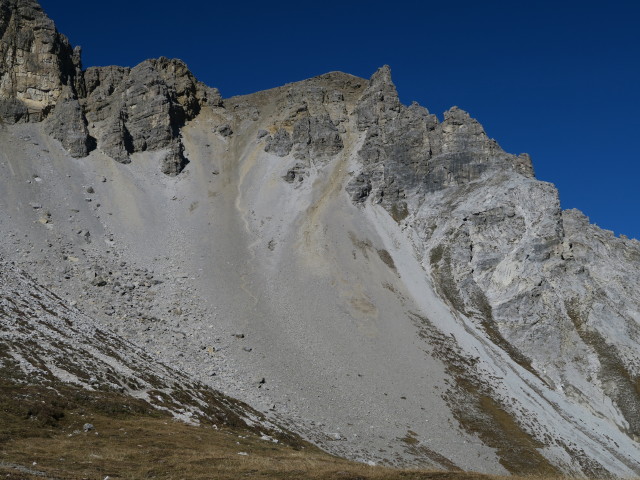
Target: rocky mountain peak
x=457 y=116
x=118 y=110
x=143 y=108
x=379 y=102
x=382 y=76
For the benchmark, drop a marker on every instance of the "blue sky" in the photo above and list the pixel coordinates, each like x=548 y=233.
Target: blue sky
x=558 y=80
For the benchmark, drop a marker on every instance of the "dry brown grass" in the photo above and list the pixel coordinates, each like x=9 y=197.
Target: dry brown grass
x=41 y=436
x=161 y=448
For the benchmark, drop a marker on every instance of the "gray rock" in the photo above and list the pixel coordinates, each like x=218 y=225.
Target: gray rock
x=407 y=150
x=130 y=110
x=36 y=62
x=174 y=161
x=225 y=130
x=316 y=138
x=143 y=108
x=68 y=125
x=13 y=110
x=296 y=173
x=87 y=427
x=279 y=144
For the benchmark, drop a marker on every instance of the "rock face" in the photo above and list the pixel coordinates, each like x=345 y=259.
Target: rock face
x=542 y=284
x=120 y=110
x=68 y=125
x=311 y=131
x=36 y=62
x=407 y=151
x=144 y=108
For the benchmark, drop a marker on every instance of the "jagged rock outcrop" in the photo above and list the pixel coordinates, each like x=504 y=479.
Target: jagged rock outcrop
x=280 y=143
x=36 y=62
x=389 y=273
x=68 y=124
x=144 y=108
x=312 y=131
x=543 y=284
x=406 y=149
x=316 y=137
x=127 y=110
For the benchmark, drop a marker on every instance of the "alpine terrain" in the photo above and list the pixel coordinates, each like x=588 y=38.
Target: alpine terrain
x=388 y=285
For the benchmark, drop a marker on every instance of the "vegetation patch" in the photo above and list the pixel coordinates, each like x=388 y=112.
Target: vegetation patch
x=399 y=211
x=620 y=384
x=478 y=413
x=387 y=259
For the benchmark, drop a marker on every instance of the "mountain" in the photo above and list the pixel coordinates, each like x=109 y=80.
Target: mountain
x=391 y=286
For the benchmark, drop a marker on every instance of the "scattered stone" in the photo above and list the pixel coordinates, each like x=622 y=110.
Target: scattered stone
x=87 y=427
x=225 y=130
x=290 y=176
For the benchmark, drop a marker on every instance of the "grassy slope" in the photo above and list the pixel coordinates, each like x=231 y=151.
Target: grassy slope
x=132 y=440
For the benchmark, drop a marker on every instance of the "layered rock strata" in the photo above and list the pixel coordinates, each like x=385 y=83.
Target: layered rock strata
x=119 y=110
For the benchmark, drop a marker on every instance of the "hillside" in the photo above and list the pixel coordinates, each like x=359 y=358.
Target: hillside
x=389 y=285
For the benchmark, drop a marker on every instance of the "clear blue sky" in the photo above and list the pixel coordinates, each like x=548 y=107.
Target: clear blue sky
x=557 y=79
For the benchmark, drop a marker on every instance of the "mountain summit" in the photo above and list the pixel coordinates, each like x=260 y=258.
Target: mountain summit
x=393 y=287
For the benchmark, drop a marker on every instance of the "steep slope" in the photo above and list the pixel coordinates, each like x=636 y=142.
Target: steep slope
x=45 y=343
x=395 y=288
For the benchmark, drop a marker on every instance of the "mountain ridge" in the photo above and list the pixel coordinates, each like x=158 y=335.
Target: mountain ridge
x=369 y=262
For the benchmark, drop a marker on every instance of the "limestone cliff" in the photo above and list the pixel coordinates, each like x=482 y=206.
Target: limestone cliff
x=119 y=110
x=36 y=62
x=539 y=281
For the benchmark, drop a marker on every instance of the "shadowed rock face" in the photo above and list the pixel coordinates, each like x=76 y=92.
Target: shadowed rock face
x=143 y=108
x=36 y=62
x=68 y=124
